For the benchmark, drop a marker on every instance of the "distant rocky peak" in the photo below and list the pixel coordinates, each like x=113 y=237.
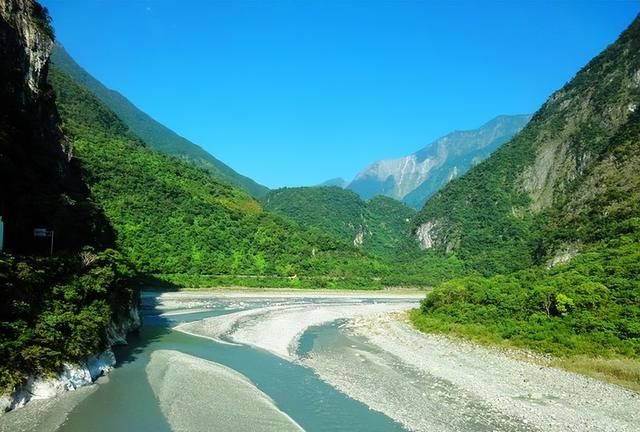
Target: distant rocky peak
x=416 y=177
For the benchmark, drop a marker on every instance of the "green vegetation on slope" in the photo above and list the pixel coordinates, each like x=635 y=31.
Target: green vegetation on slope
x=171 y=217
x=378 y=225
x=588 y=306
x=57 y=310
x=569 y=182
x=154 y=134
x=493 y=217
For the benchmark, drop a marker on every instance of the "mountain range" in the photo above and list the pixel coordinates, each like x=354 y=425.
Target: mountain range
x=416 y=177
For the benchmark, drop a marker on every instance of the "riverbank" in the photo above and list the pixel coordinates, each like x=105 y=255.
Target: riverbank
x=199 y=281
x=252 y=292
x=74 y=376
x=423 y=381
x=516 y=390
x=248 y=291
x=616 y=370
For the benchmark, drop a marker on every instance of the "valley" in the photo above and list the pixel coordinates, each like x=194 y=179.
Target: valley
x=489 y=281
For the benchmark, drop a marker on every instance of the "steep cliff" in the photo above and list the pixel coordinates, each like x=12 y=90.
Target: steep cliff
x=60 y=311
x=567 y=179
x=41 y=182
x=414 y=178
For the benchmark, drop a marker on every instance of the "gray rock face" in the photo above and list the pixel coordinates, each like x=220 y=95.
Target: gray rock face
x=30 y=44
x=414 y=178
x=425 y=235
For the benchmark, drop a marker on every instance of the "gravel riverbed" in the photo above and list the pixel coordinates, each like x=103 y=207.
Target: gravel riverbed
x=435 y=383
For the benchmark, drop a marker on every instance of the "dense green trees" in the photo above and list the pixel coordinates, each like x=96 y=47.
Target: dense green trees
x=588 y=306
x=58 y=309
x=378 y=226
x=171 y=217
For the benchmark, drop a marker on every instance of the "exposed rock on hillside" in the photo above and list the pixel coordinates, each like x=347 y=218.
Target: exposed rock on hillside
x=415 y=178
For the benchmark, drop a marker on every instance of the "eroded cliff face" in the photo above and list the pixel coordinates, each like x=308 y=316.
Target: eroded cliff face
x=42 y=184
x=580 y=121
x=34 y=163
x=25 y=44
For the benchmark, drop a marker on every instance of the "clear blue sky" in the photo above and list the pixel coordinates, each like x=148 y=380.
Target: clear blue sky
x=296 y=92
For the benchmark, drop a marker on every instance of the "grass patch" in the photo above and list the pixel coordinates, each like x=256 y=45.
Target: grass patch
x=621 y=371
x=624 y=372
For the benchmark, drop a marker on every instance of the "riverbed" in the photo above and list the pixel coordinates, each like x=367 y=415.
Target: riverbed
x=325 y=362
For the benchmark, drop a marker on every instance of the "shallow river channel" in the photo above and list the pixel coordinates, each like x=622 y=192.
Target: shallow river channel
x=334 y=362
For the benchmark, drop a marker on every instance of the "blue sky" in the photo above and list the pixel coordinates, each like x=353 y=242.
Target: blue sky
x=297 y=92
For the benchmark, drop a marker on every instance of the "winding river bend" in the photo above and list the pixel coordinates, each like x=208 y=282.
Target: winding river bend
x=280 y=362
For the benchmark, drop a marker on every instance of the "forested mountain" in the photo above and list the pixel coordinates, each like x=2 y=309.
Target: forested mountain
x=154 y=134
x=567 y=185
x=414 y=178
x=54 y=309
x=552 y=174
x=378 y=225
x=171 y=217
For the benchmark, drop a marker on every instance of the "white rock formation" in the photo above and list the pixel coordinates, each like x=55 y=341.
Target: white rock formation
x=425 y=235
x=73 y=376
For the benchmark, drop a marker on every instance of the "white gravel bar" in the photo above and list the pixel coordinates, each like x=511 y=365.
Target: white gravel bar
x=190 y=389
x=435 y=383
x=277 y=329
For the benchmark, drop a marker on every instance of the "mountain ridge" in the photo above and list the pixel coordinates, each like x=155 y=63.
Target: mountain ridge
x=377 y=226
x=414 y=178
x=152 y=132
x=504 y=202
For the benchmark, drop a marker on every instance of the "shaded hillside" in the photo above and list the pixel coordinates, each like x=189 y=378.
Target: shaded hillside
x=378 y=225
x=173 y=217
x=415 y=178
x=41 y=185
x=54 y=309
x=154 y=134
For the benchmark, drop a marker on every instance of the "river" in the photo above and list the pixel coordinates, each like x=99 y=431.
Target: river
x=268 y=362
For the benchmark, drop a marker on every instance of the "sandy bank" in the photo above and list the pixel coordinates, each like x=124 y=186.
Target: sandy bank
x=277 y=329
x=199 y=395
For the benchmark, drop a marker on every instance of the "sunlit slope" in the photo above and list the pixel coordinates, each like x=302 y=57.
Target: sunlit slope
x=567 y=179
x=172 y=217
x=154 y=134
x=553 y=218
